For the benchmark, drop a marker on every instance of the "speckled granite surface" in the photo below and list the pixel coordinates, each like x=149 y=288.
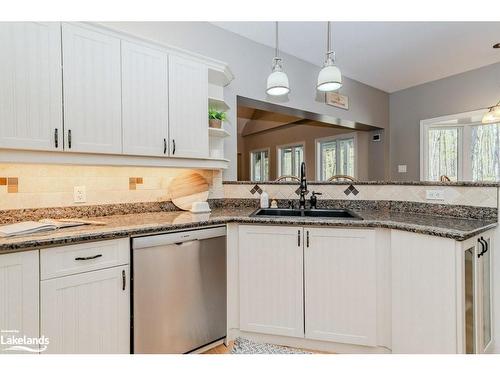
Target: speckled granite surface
x=119 y=226
x=35 y=214
x=447 y=210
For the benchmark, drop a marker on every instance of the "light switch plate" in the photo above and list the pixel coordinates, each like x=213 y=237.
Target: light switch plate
x=402 y=168
x=435 y=195
x=79 y=194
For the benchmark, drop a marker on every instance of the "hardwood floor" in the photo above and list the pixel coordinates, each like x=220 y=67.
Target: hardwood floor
x=221 y=349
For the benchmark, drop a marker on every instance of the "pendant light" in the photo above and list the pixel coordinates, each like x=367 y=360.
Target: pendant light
x=493 y=115
x=329 y=78
x=277 y=82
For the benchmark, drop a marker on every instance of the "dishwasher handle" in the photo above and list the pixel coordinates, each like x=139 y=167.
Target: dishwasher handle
x=185 y=243
x=177 y=237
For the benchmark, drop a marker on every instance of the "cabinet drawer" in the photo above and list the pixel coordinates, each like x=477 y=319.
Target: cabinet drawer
x=72 y=259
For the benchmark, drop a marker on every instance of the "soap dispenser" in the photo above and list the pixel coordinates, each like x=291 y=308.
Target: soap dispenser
x=264 y=200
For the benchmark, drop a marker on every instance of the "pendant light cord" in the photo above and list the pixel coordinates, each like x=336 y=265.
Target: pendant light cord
x=276 y=49
x=330 y=55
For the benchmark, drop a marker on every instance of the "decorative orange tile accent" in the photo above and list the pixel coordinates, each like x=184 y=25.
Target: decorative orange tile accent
x=11 y=182
x=133 y=182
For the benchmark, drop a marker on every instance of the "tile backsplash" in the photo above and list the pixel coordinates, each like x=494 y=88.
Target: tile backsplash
x=52 y=185
x=456 y=195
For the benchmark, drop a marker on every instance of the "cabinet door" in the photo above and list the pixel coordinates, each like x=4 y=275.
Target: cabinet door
x=145 y=100
x=188 y=108
x=19 y=296
x=31 y=87
x=87 y=313
x=424 y=294
x=271 y=280
x=340 y=285
x=92 y=91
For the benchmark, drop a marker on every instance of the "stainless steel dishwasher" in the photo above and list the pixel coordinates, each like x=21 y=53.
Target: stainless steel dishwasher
x=179 y=290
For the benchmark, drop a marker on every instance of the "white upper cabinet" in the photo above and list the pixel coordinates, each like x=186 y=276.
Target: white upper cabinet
x=92 y=91
x=271 y=280
x=145 y=100
x=188 y=108
x=340 y=285
x=19 y=295
x=30 y=89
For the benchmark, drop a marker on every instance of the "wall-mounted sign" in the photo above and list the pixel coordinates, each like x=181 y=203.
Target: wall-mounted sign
x=337 y=100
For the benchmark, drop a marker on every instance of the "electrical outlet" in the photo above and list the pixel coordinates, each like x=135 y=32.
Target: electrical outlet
x=79 y=194
x=402 y=168
x=435 y=195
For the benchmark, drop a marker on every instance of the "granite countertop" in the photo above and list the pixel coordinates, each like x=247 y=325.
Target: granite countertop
x=120 y=226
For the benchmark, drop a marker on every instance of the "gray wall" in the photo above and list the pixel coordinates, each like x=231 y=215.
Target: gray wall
x=464 y=92
x=251 y=64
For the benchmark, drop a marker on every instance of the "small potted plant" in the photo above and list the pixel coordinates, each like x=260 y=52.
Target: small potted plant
x=215 y=118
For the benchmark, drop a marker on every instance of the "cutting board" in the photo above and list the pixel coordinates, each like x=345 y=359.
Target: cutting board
x=187 y=188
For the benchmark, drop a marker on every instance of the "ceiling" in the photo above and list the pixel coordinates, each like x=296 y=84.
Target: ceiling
x=390 y=56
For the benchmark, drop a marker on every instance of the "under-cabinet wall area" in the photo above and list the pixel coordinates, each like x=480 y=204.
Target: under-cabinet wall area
x=49 y=185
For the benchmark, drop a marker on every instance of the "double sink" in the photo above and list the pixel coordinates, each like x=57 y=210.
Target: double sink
x=319 y=213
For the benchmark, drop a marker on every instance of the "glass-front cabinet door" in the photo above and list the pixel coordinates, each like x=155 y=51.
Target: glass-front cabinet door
x=484 y=266
x=477 y=296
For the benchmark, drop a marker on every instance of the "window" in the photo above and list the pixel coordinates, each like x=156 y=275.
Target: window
x=335 y=156
x=259 y=165
x=443 y=153
x=290 y=158
x=485 y=147
x=461 y=148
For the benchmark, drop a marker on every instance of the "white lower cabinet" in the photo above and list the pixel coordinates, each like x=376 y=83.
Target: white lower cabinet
x=18 y=297
x=340 y=285
x=271 y=280
x=441 y=294
x=87 y=312
x=329 y=272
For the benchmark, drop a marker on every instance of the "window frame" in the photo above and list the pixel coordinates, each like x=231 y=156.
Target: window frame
x=278 y=154
x=251 y=153
x=336 y=138
x=464 y=124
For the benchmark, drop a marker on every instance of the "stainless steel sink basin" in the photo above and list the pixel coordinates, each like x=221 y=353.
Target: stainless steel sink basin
x=319 y=213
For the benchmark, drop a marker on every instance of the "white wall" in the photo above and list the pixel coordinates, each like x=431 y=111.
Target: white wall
x=251 y=64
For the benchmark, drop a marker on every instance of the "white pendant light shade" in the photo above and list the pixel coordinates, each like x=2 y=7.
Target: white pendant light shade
x=277 y=82
x=329 y=77
x=492 y=116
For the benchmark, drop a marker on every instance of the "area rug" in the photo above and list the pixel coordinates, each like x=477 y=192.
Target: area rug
x=245 y=346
